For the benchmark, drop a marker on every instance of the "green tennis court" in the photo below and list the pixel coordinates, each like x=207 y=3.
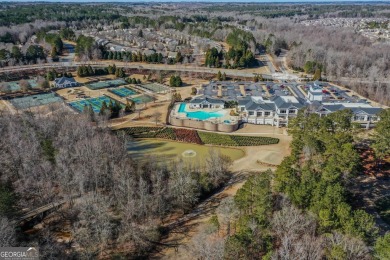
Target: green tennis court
x=106 y=84
x=35 y=100
x=156 y=88
x=123 y=92
x=142 y=99
x=15 y=86
x=96 y=103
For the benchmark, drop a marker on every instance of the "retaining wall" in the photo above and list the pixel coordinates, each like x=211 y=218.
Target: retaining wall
x=204 y=125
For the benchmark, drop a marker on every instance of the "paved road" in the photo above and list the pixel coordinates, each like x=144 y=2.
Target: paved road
x=135 y=65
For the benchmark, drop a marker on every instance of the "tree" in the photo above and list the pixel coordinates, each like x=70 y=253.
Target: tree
x=176 y=97
x=43 y=83
x=16 y=53
x=224 y=76
x=219 y=75
x=194 y=91
x=7 y=233
x=382 y=247
x=130 y=106
x=183 y=189
x=157 y=116
x=103 y=109
x=24 y=85
x=381 y=143
x=178 y=58
x=228 y=212
x=115 y=108
x=35 y=52
x=175 y=81
x=317 y=74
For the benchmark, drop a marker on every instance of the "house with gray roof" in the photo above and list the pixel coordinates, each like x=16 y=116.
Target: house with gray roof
x=363 y=113
x=206 y=102
x=65 y=82
x=256 y=110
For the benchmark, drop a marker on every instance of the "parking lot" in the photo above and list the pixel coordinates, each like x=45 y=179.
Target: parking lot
x=233 y=90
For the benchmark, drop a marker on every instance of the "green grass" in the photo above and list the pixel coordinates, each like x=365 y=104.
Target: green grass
x=383 y=207
x=235 y=140
x=170 y=149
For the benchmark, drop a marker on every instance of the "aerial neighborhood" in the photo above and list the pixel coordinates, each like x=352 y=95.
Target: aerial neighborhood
x=195 y=130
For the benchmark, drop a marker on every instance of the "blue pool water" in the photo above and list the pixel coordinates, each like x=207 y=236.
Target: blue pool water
x=201 y=115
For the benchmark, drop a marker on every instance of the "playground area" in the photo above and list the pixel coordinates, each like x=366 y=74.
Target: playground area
x=35 y=100
x=96 y=103
x=123 y=92
x=106 y=84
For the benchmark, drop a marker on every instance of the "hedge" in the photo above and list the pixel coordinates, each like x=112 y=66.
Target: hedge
x=198 y=137
x=235 y=140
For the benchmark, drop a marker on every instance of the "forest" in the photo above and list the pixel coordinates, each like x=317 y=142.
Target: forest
x=114 y=201
x=117 y=205
x=341 y=54
x=305 y=209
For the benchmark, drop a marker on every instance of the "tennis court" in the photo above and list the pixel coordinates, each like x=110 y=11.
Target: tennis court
x=156 y=88
x=123 y=92
x=106 y=84
x=35 y=100
x=96 y=103
x=14 y=85
x=142 y=99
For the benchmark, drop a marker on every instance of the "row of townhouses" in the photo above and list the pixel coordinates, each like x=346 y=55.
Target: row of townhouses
x=278 y=110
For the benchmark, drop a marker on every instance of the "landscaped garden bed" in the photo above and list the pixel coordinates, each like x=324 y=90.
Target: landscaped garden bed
x=198 y=137
x=235 y=140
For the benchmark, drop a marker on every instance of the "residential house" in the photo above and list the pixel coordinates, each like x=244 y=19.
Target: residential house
x=206 y=102
x=65 y=82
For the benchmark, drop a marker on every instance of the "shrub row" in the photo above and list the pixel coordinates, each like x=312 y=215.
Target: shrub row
x=141 y=129
x=235 y=140
x=197 y=137
x=186 y=135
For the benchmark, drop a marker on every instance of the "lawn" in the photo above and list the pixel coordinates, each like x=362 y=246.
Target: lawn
x=171 y=149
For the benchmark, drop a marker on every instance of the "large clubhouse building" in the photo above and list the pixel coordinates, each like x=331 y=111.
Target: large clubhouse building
x=277 y=109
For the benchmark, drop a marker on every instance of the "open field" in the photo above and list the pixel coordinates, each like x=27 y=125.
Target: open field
x=164 y=149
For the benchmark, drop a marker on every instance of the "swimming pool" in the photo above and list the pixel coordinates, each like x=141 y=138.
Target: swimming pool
x=201 y=115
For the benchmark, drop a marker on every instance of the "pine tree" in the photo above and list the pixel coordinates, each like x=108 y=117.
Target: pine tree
x=103 y=109
x=317 y=74
x=219 y=75
x=130 y=106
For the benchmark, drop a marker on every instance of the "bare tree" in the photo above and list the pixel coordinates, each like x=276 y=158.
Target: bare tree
x=227 y=212
x=24 y=85
x=157 y=116
x=7 y=233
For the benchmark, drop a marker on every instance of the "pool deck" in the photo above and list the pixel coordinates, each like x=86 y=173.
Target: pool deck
x=226 y=116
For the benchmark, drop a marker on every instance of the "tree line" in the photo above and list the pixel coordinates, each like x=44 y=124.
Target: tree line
x=117 y=200
x=304 y=210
